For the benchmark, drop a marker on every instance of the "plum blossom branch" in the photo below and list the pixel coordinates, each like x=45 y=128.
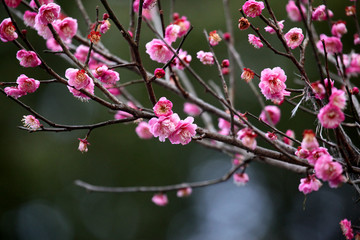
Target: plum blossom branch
x=167 y=188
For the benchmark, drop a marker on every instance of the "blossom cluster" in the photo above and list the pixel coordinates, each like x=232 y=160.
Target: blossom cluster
x=24 y=86
x=160 y=50
x=331 y=115
x=325 y=167
x=168 y=124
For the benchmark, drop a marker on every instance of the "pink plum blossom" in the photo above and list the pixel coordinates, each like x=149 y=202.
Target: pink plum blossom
x=338 y=181
x=143 y=130
x=271 y=135
x=160 y=199
x=183 y=132
x=108 y=76
x=338 y=29
x=272 y=84
x=7 y=31
x=316 y=154
x=29 y=18
x=163 y=107
x=122 y=115
x=172 y=33
x=148 y=4
x=253 y=8
x=332 y=44
x=66 y=28
x=43 y=30
x=356 y=39
x=184 y=25
x=247 y=137
x=81 y=53
x=192 y=109
x=302 y=153
x=240 y=179
x=14 y=92
x=81 y=96
x=163 y=126
x=352 y=64
x=289 y=133
x=145 y=12
x=318 y=90
x=293 y=11
x=239 y=159
x=319 y=13
x=270 y=111
x=104 y=26
x=186 y=59
x=184 y=192
x=214 y=38
x=309 y=184
x=42 y=2
x=294 y=37
x=255 y=41
x=100 y=71
x=158 y=51
x=326 y=169
x=346 y=229
x=77 y=78
x=53 y=45
x=271 y=30
x=12 y=3
x=330 y=116
x=338 y=98
x=112 y=89
x=83 y=145
x=207 y=58
x=48 y=13
x=309 y=141
x=224 y=126
x=31 y=122
x=28 y=58
x=27 y=85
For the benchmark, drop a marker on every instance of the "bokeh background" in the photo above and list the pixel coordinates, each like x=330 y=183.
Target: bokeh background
x=37 y=171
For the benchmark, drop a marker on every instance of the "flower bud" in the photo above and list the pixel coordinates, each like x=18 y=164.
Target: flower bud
x=243 y=23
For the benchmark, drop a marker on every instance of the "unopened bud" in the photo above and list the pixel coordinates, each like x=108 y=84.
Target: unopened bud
x=159 y=73
x=354 y=91
x=105 y=16
x=243 y=23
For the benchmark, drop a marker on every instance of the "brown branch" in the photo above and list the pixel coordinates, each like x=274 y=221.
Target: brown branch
x=167 y=188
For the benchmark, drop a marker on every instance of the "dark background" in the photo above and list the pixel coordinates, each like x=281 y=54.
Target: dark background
x=37 y=171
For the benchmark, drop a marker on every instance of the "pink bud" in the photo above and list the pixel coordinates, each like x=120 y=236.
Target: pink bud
x=240 y=179
x=227 y=36
x=83 y=145
x=160 y=199
x=354 y=91
x=184 y=192
x=159 y=73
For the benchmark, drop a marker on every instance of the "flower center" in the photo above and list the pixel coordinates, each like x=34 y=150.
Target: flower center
x=294 y=37
x=81 y=76
x=10 y=29
x=49 y=15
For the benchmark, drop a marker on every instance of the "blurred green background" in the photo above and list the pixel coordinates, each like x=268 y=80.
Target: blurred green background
x=40 y=201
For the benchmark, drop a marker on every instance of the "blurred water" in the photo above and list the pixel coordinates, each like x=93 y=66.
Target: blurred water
x=223 y=211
